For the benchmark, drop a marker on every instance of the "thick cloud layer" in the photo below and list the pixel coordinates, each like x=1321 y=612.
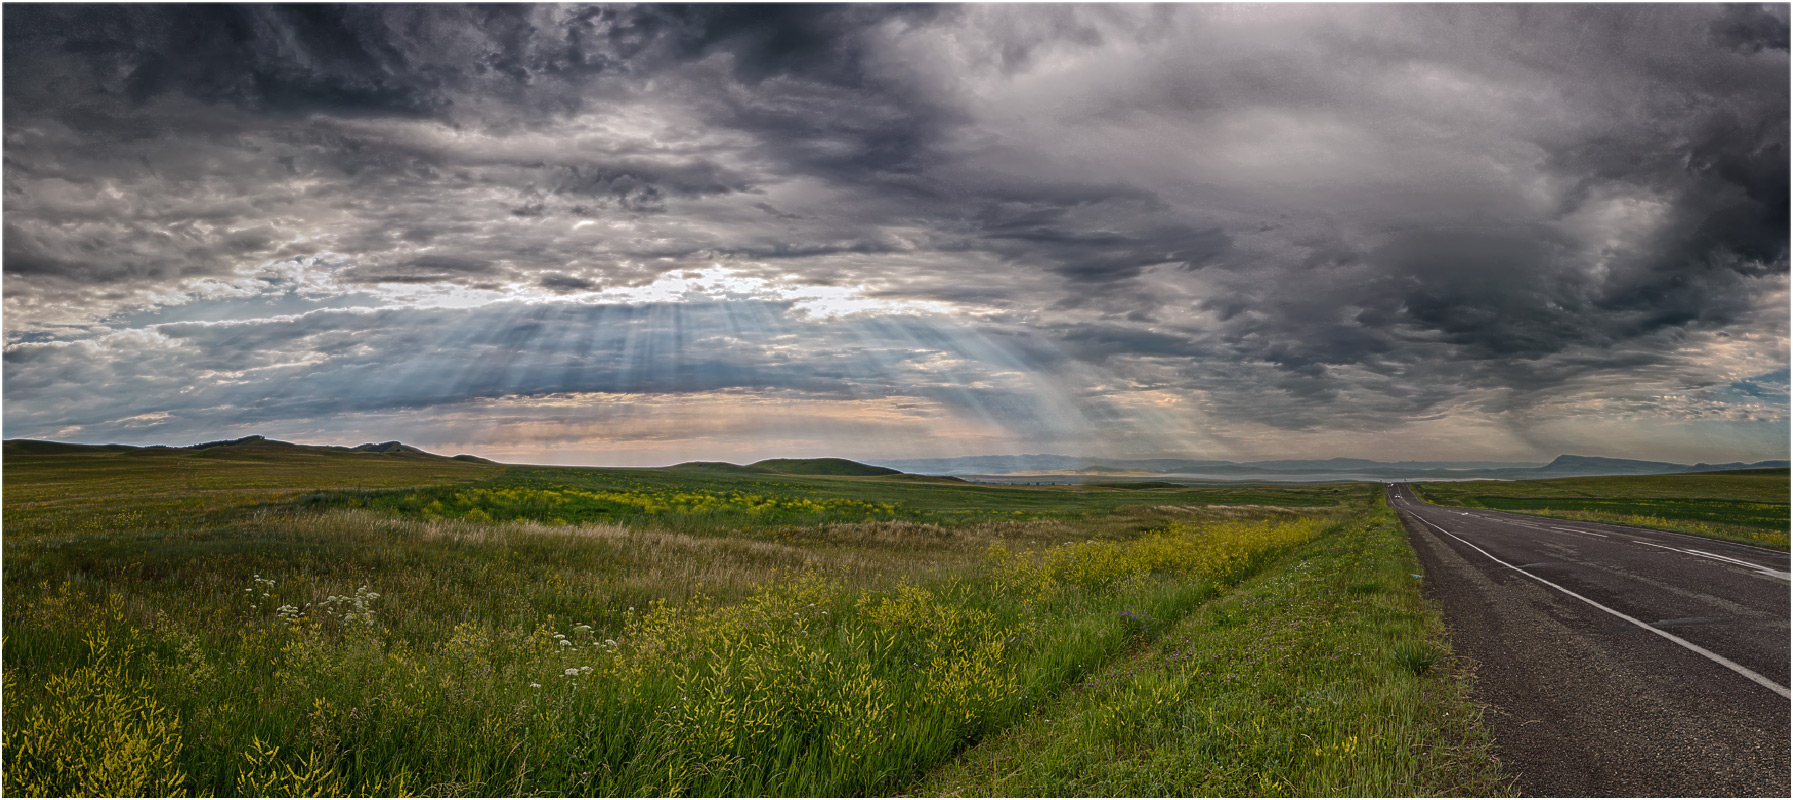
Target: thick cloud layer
x=1230 y=231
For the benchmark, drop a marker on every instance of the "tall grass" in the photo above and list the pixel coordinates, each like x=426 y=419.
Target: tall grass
x=683 y=509
x=348 y=652
x=1326 y=675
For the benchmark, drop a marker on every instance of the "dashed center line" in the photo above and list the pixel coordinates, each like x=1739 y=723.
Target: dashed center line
x=1714 y=657
x=1764 y=570
x=1757 y=568
x=1583 y=533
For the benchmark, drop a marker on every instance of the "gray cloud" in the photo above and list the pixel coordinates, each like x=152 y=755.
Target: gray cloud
x=1312 y=218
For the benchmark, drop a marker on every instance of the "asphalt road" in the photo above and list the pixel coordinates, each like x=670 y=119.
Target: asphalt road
x=1615 y=661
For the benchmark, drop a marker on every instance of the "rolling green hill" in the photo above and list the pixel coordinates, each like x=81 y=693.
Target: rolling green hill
x=820 y=466
x=55 y=487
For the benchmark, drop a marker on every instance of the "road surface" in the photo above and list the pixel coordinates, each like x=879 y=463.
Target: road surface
x=1615 y=660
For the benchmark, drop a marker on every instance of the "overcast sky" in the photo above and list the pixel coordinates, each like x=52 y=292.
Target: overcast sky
x=640 y=235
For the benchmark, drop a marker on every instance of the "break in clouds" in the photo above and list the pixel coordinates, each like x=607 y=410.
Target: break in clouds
x=638 y=234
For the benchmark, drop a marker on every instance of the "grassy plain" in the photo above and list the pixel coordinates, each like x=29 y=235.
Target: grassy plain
x=64 y=491
x=1748 y=506
x=261 y=621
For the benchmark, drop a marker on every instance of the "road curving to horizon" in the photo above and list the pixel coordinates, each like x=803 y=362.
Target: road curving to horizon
x=1615 y=661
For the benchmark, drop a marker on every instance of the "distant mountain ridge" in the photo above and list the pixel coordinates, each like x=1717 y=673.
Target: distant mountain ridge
x=1059 y=466
x=1355 y=468
x=254 y=443
x=1612 y=466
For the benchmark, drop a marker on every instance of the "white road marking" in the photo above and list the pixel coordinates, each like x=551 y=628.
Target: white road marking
x=1572 y=530
x=1688 y=536
x=1762 y=568
x=1726 y=558
x=1757 y=568
x=1715 y=658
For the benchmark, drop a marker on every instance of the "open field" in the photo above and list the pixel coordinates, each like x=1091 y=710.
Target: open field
x=1748 y=506
x=362 y=623
x=70 y=491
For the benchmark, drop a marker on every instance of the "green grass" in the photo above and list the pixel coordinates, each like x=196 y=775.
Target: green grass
x=1327 y=675
x=1747 y=506
x=258 y=625
x=705 y=500
x=96 y=490
x=92 y=490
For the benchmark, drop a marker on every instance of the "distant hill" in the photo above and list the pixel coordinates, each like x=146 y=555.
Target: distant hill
x=253 y=440
x=928 y=478
x=1581 y=465
x=253 y=446
x=389 y=447
x=1738 y=466
x=984 y=468
x=1306 y=469
x=986 y=465
x=40 y=447
x=714 y=466
x=819 y=466
x=1045 y=463
x=789 y=466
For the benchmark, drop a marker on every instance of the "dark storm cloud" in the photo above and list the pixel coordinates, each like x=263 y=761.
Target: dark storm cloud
x=1099 y=342
x=765 y=40
x=1751 y=28
x=293 y=59
x=1052 y=236
x=1313 y=217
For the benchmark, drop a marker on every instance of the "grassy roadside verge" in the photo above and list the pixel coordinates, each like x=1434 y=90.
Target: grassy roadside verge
x=1326 y=675
x=1746 y=506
